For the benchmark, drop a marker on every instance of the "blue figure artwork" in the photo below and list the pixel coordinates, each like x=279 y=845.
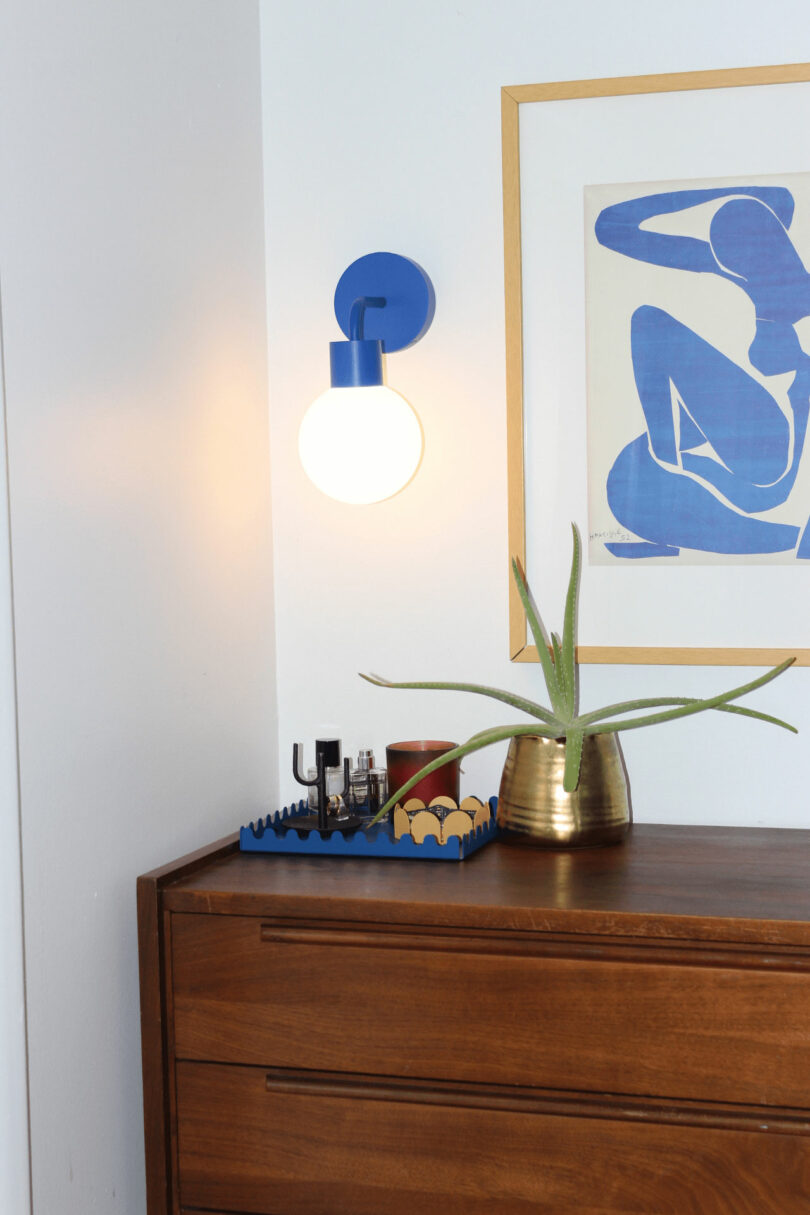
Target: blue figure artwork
x=718 y=452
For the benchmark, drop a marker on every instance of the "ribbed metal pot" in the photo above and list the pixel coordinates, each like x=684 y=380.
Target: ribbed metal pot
x=533 y=807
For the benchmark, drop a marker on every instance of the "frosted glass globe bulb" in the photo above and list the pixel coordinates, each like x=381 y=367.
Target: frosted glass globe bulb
x=360 y=444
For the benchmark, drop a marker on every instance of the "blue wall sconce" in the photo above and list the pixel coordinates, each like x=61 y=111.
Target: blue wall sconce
x=360 y=441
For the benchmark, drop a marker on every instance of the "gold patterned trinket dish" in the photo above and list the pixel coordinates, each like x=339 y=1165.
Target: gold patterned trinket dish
x=441 y=819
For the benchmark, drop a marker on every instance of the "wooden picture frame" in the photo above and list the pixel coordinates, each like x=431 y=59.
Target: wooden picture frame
x=512 y=100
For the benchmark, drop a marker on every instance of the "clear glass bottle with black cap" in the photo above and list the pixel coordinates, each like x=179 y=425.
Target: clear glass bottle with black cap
x=368 y=785
x=332 y=751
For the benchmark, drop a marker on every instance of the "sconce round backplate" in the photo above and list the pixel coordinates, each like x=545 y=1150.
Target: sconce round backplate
x=410 y=299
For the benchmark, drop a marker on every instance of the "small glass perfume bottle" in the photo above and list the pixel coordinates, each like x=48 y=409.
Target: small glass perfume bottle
x=368 y=785
x=334 y=776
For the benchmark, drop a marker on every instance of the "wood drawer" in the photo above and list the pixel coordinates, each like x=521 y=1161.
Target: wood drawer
x=249 y=1142
x=707 y=1024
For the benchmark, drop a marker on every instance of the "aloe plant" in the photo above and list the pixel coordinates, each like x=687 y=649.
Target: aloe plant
x=560 y=672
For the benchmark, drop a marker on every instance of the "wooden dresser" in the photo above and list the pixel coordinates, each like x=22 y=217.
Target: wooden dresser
x=619 y=1031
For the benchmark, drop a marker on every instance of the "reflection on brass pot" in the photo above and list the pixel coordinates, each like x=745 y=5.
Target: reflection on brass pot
x=533 y=807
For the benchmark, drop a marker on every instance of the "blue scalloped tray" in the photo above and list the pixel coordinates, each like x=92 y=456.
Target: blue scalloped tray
x=376 y=841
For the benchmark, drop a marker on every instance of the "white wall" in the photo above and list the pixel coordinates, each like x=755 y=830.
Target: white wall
x=14 y=1165
x=382 y=131
x=131 y=252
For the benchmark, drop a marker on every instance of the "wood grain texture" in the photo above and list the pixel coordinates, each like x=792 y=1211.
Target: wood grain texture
x=613 y=1032
x=692 y=883
x=534 y=945
x=678 y=656
x=244 y=1148
x=170 y=1048
x=156 y=1023
x=520 y=1099
x=512 y=97
x=153 y=1051
x=513 y=302
x=627 y=1027
x=663 y=82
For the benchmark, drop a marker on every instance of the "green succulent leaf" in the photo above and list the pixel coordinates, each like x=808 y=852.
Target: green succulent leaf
x=743 y=712
x=629 y=706
x=573 y=758
x=517 y=702
x=552 y=729
x=568 y=663
x=559 y=670
x=695 y=706
x=540 y=640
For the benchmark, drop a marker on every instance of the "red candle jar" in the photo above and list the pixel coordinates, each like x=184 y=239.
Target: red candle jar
x=404 y=759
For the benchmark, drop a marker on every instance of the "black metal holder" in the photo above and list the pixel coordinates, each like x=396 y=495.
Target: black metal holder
x=327 y=755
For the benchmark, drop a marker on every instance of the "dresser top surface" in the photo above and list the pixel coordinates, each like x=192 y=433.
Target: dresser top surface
x=717 y=883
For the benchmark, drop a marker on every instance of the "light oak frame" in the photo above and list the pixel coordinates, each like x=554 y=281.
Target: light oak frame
x=512 y=98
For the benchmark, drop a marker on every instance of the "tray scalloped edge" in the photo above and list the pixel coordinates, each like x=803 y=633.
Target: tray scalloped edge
x=376 y=842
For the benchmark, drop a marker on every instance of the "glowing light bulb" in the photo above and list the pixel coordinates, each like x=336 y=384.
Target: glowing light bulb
x=360 y=444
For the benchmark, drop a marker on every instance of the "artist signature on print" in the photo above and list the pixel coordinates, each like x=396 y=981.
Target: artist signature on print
x=615 y=533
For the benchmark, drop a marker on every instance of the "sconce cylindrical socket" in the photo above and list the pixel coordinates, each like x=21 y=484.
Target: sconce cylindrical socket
x=356 y=364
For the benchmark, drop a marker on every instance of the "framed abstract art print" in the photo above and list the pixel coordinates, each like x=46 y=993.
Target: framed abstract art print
x=657 y=268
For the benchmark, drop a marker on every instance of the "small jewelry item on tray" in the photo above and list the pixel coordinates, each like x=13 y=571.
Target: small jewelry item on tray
x=334 y=786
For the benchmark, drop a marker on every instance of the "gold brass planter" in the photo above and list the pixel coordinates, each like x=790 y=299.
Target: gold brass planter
x=533 y=807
